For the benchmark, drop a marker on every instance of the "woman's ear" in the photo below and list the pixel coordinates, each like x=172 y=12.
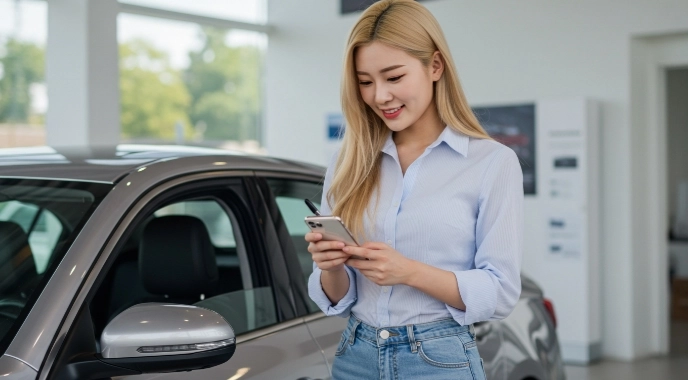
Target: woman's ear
x=437 y=66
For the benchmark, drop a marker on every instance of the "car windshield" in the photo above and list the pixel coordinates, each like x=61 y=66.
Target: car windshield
x=39 y=220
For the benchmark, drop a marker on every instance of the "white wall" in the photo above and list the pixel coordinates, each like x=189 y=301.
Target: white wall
x=505 y=52
x=677 y=123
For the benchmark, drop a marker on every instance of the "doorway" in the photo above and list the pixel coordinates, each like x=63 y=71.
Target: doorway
x=677 y=205
x=653 y=61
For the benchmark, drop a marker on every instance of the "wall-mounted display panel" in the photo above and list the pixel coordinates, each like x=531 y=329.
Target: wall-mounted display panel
x=514 y=126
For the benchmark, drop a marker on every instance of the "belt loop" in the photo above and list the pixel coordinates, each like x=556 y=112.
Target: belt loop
x=412 y=339
x=471 y=329
x=352 y=334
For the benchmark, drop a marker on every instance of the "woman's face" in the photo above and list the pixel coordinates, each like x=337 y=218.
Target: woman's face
x=396 y=85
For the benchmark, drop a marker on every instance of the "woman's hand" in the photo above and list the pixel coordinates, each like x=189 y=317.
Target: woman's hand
x=385 y=265
x=327 y=255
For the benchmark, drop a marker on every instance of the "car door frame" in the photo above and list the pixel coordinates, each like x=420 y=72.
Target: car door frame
x=295 y=281
x=309 y=318
x=145 y=204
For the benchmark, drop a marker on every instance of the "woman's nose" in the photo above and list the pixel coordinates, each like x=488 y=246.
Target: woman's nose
x=382 y=94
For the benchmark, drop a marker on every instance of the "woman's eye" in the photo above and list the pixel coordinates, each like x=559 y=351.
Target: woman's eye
x=364 y=82
x=394 y=79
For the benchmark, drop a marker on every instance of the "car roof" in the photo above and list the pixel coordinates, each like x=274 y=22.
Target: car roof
x=111 y=163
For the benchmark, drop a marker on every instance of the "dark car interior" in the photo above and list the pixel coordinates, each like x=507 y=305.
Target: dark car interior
x=17 y=272
x=166 y=259
x=33 y=201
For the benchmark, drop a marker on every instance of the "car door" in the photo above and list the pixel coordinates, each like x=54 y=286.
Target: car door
x=272 y=339
x=282 y=351
x=488 y=336
x=287 y=193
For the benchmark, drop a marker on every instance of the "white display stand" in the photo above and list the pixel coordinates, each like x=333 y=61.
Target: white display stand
x=562 y=251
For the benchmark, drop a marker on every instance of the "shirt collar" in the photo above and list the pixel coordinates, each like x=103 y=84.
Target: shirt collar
x=455 y=140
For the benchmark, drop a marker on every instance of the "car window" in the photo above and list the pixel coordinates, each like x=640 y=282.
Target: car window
x=213 y=216
x=151 y=267
x=39 y=220
x=42 y=227
x=290 y=195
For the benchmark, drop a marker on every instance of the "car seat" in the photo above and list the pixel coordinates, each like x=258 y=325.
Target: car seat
x=176 y=264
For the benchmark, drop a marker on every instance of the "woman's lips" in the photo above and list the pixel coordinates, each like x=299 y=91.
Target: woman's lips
x=392 y=112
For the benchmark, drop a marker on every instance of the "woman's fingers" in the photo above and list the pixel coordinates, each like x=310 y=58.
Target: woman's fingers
x=327 y=265
x=322 y=246
x=329 y=255
x=313 y=237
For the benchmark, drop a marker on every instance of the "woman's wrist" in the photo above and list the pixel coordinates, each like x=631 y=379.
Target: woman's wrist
x=414 y=273
x=334 y=270
x=335 y=284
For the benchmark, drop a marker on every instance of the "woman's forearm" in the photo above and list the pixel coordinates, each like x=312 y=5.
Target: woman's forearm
x=437 y=283
x=335 y=284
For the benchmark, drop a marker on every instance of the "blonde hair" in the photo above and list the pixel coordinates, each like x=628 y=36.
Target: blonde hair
x=408 y=26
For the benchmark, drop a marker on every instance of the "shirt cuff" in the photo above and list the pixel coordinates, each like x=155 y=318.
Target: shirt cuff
x=317 y=294
x=478 y=294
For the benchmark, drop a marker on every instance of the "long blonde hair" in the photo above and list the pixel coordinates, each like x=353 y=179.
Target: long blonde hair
x=408 y=26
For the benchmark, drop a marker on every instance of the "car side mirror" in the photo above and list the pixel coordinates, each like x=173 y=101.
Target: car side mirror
x=159 y=337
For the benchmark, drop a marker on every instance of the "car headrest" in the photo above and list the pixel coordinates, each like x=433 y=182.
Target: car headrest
x=16 y=258
x=176 y=257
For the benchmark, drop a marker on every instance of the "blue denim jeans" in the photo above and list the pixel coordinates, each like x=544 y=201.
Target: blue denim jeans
x=436 y=350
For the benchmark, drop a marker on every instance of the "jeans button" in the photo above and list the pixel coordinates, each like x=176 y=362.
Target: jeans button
x=384 y=334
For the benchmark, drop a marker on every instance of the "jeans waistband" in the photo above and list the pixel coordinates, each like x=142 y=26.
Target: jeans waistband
x=403 y=334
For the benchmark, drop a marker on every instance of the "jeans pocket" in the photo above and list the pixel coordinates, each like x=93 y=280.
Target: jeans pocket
x=343 y=343
x=445 y=352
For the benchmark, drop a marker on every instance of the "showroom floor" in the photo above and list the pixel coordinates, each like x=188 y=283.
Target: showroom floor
x=673 y=366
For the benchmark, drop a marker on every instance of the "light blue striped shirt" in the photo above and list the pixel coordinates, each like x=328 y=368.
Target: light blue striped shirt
x=459 y=207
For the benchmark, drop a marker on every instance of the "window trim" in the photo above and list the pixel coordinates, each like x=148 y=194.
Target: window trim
x=263 y=176
x=222 y=23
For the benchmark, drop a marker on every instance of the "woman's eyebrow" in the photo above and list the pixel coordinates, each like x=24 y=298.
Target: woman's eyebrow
x=386 y=69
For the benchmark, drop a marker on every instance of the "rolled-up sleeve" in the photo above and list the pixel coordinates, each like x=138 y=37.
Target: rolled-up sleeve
x=315 y=290
x=491 y=290
x=317 y=294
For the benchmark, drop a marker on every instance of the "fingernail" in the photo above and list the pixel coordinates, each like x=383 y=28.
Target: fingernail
x=345 y=249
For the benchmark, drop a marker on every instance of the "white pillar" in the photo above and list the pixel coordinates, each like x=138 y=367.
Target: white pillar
x=82 y=73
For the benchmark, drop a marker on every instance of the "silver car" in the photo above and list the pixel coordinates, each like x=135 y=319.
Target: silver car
x=142 y=262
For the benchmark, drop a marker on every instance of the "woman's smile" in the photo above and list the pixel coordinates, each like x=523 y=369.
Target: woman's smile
x=392 y=113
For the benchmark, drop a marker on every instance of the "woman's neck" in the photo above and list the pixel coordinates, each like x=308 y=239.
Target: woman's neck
x=421 y=133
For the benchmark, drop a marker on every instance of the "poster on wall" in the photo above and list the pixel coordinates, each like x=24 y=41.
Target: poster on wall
x=334 y=132
x=514 y=126
x=351 y=6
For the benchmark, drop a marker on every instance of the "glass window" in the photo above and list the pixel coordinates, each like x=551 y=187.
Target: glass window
x=40 y=225
x=39 y=220
x=244 y=304
x=23 y=94
x=185 y=83
x=250 y=11
x=213 y=216
x=289 y=195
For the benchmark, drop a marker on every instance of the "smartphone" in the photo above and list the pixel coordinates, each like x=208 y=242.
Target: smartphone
x=332 y=229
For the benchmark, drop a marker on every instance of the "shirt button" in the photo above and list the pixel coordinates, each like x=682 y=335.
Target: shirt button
x=389 y=242
x=384 y=289
x=384 y=334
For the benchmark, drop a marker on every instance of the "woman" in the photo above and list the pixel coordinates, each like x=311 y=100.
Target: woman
x=436 y=201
